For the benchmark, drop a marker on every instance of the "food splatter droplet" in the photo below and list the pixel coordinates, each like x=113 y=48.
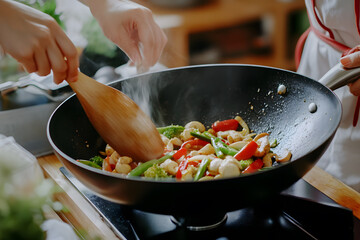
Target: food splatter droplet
x=281 y=89
x=312 y=107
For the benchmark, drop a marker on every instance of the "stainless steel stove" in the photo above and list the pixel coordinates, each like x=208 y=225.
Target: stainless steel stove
x=300 y=212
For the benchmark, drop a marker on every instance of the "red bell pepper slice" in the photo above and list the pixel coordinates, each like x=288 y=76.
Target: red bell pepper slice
x=194 y=163
x=182 y=166
x=247 y=151
x=207 y=173
x=179 y=153
x=253 y=167
x=195 y=144
x=230 y=124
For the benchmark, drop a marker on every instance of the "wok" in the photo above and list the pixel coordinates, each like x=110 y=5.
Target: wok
x=207 y=93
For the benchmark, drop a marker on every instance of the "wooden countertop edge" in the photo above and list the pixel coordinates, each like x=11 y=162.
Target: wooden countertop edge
x=334 y=189
x=83 y=216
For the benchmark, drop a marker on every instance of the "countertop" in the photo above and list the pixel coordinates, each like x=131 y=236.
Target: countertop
x=83 y=217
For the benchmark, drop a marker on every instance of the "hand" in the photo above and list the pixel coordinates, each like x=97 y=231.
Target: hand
x=131 y=27
x=352 y=60
x=34 y=39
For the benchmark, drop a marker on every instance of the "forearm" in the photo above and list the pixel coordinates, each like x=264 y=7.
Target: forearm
x=97 y=7
x=36 y=41
x=7 y=8
x=130 y=25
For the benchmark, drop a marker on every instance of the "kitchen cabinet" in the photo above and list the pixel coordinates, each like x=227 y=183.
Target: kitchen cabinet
x=227 y=23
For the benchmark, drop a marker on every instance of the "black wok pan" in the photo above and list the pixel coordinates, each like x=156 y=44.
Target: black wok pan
x=207 y=93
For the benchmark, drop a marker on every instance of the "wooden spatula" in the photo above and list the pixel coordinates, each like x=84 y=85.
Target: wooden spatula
x=118 y=120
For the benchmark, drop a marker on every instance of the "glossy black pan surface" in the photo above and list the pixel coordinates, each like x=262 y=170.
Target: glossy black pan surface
x=207 y=93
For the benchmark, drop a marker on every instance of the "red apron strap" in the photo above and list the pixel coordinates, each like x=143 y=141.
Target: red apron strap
x=328 y=39
x=357 y=16
x=319 y=22
x=335 y=44
x=300 y=46
x=356 y=113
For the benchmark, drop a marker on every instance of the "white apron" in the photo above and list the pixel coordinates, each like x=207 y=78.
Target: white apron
x=335 y=19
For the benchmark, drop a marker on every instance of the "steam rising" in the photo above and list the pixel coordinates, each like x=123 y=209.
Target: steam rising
x=144 y=90
x=147 y=90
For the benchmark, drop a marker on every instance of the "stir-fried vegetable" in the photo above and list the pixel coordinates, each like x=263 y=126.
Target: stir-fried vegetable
x=202 y=169
x=194 y=144
x=97 y=160
x=215 y=144
x=171 y=131
x=227 y=149
x=226 y=125
x=253 y=167
x=182 y=166
x=247 y=151
x=140 y=169
x=179 y=153
x=89 y=163
x=156 y=172
x=245 y=163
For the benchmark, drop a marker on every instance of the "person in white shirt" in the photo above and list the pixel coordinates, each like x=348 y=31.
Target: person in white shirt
x=334 y=36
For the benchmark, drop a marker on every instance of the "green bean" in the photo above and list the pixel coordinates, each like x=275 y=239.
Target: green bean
x=207 y=134
x=226 y=149
x=220 y=147
x=90 y=163
x=141 y=168
x=202 y=168
x=214 y=143
x=200 y=136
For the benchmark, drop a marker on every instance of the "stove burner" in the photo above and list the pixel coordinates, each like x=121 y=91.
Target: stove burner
x=200 y=223
x=300 y=212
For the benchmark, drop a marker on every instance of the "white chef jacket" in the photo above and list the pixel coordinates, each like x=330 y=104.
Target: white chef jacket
x=342 y=158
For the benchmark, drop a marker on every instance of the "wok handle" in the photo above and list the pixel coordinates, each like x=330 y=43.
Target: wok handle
x=339 y=76
x=7 y=86
x=10 y=86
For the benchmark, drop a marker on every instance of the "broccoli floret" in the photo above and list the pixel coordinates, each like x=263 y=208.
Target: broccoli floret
x=97 y=160
x=171 y=131
x=156 y=172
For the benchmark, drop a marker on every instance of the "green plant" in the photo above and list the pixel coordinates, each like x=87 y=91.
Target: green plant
x=97 y=42
x=21 y=214
x=46 y=6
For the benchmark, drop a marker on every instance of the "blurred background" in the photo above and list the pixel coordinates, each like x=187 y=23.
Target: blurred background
x=262 y=32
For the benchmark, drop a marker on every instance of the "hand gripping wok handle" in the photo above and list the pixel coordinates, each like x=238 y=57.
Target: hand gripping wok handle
x=339 y=76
